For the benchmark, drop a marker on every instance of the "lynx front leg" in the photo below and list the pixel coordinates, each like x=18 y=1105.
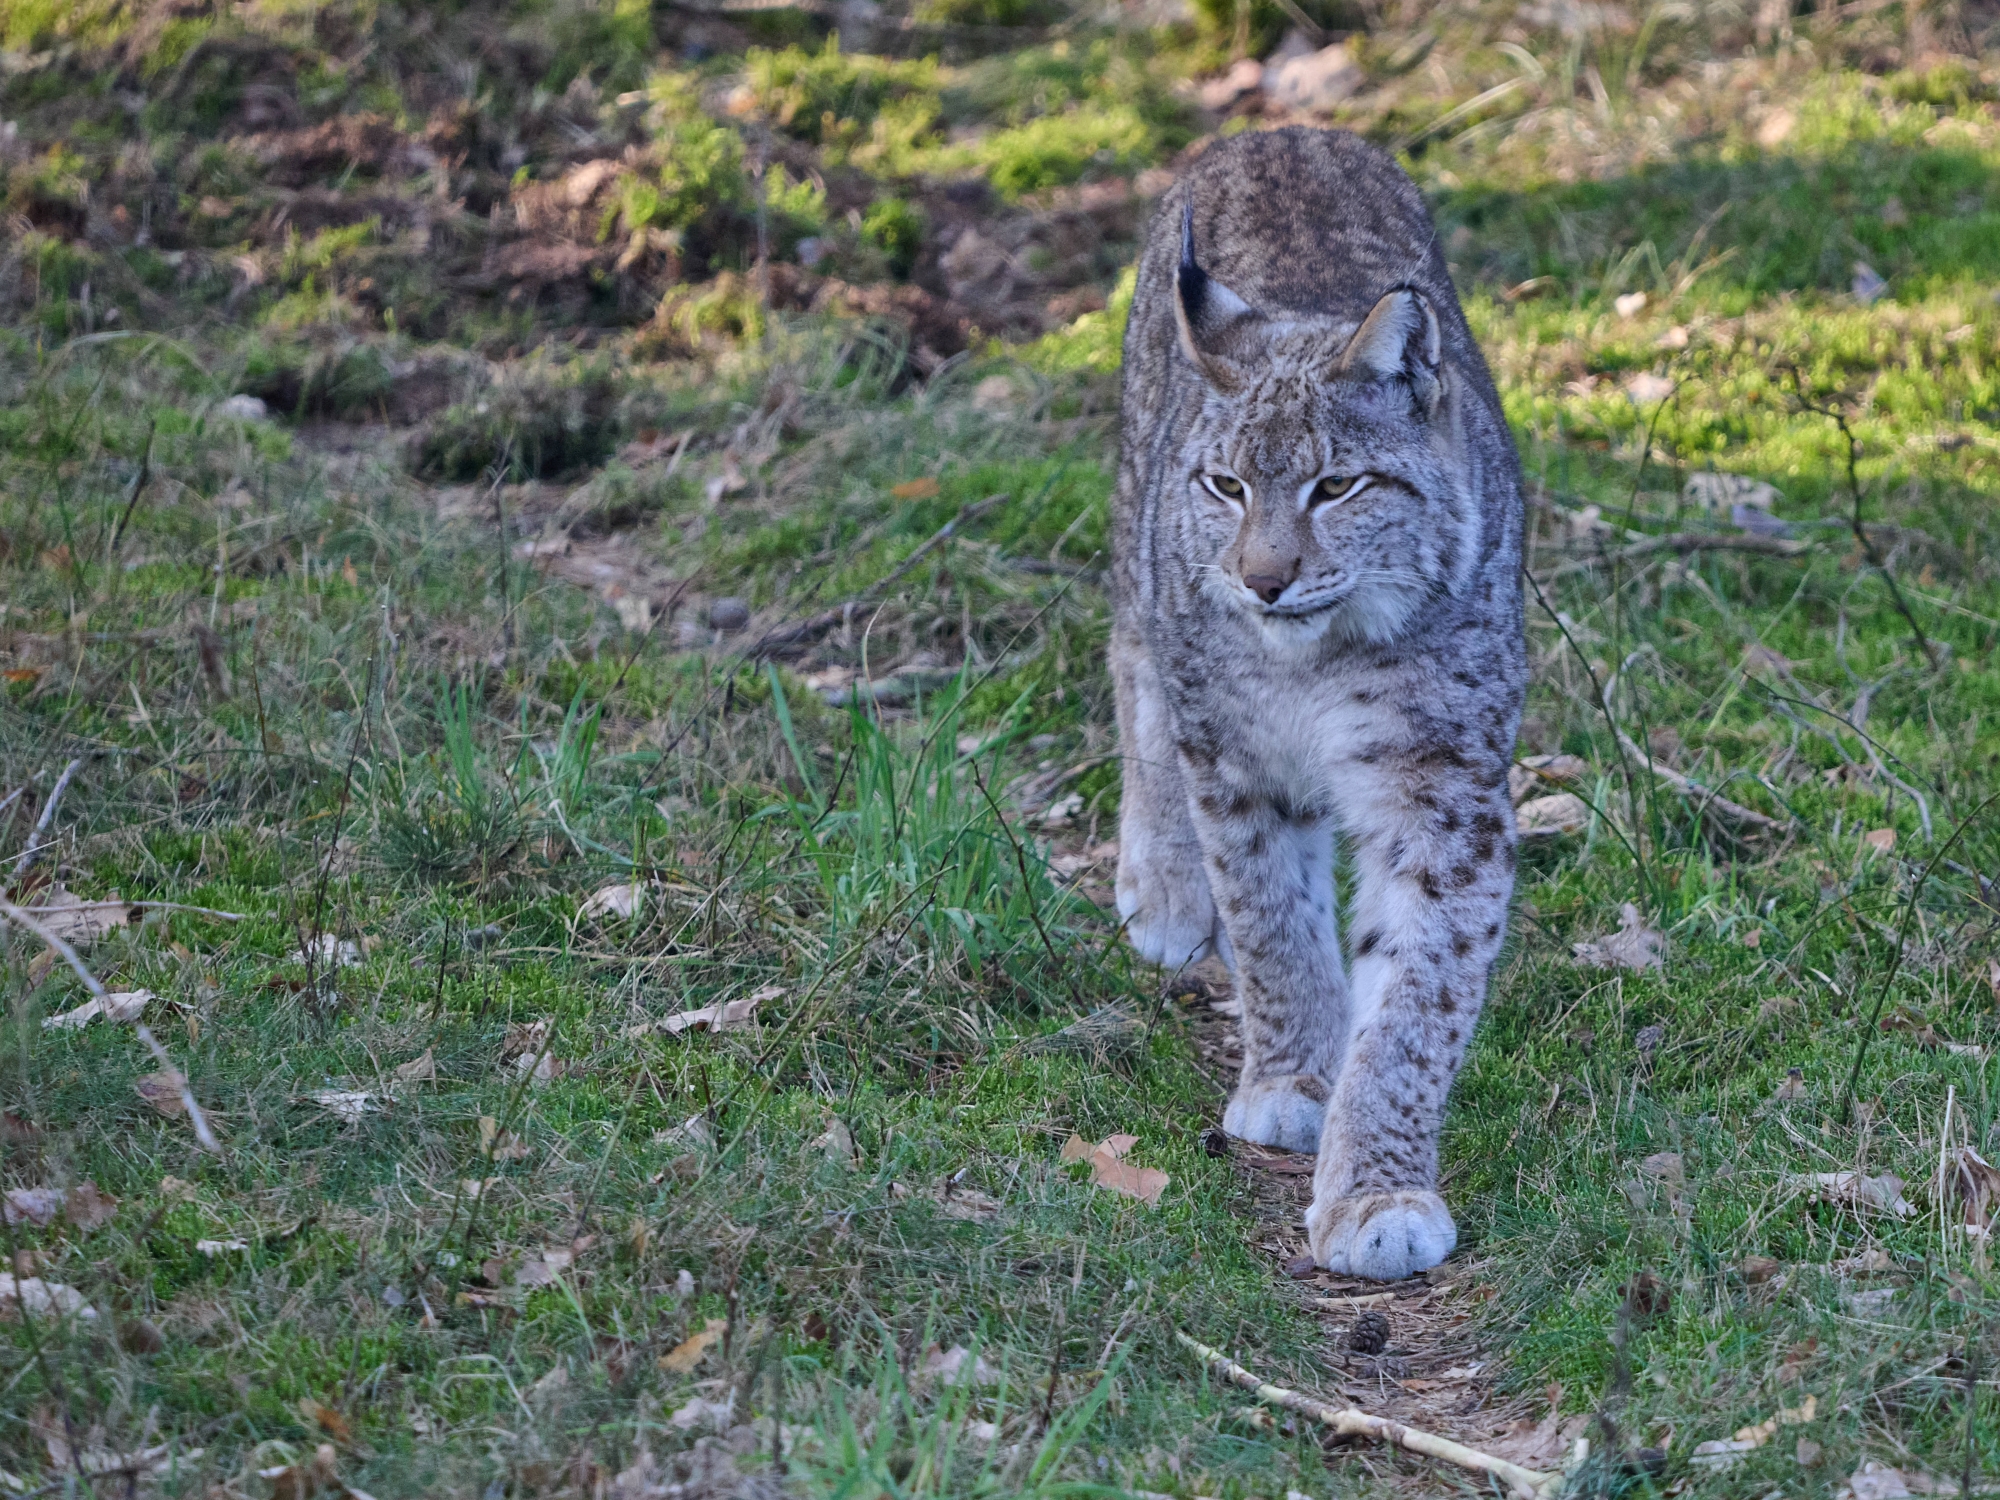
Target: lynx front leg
x=1429 y=913
x=1163 y=892
x=1270 y=866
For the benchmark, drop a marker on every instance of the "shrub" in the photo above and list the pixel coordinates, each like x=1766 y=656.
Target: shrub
x=831 y=98
x=538 y=420
x=896 y=227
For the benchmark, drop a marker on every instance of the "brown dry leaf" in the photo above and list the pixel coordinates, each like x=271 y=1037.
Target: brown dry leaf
x=1552 y=816
x=525 y=1037
x=306 y=1479
x=325 y=1417
x=1978 y=1183
x=1881 y=840
x=544 y=1267
x=1109 y=1171
x=162 y=1090
x=19 y=675
x=1758 y=1269
x=118 y=1007
x=78 y=922
x=87 y=1207
x=1536 y=773
x=1633 y=946
x=957 y=1364
x=915 y=489
x=499 y=1145
x=732 y=1015
x=693 y=1349
x=1993 y=978
x=422 y=1069
x=837 y=1143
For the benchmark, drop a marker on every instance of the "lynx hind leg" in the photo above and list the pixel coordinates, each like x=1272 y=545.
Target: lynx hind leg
x=1163 y=893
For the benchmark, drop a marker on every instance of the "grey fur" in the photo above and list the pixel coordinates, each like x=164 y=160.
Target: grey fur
x=1300 y=665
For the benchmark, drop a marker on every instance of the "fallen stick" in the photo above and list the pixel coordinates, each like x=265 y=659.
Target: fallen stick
x=1682 y=543
x=1350 y=1422
x=202 y=1134
x=48 y=816
x=1735 y=811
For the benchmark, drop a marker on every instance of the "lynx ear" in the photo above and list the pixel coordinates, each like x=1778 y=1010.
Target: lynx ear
x=1398 y=340
x=1212 y=320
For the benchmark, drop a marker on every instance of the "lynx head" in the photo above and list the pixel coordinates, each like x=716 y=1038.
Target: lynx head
x=1322 y=492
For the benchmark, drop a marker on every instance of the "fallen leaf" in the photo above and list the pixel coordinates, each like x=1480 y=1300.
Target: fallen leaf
x=915 y=489
x=36 y=1206
x=958 y=1364
x=1884 y=1193
x=837 y=1145
x=41 y=1299
x=349 y=1106
x=333 y=952
x=306 y=1479
x=525 y=1037
x=1873 y=1481
x=1758 y=1269
x=213 y=1248
x=1633 y=946
x=88 y=1208
x=321 y=1415
x=421 y=1069
x=162 y=1090
x=1666 y=1167
x=544 y=1267
x=1794 y=1086
x=619 y=901
x=1645 y=388
x=1549 y=817
x=18 y=675
x=1807 y=1453
x=118 y=1007
x=78 y=922
x=1978 y=1184
x=700 y=1413
x=693 y=1349
x=496 y=1144
x=1881 y=840
x=731 y=1015
x=1108 y=1171
x=91 y=1459
x=1993 y=978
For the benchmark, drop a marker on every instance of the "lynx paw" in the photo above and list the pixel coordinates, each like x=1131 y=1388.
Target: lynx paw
x=1284 y=1112
x=1169 y=914
x=1383 y=1236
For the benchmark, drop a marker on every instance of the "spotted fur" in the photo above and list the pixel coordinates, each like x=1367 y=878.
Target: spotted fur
x=1331 y=654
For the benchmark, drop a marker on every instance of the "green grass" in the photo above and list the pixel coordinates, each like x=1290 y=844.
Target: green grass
x=317 y=676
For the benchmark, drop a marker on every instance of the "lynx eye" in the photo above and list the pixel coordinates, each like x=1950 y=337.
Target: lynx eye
x=1228 y=486
x=1335 y=487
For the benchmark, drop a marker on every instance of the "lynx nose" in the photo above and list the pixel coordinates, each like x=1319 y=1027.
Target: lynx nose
x=1268 y=586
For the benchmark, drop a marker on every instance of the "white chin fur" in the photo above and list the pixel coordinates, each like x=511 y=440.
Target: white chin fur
x=1373 y=614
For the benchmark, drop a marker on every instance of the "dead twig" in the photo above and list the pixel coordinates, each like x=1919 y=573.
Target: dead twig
x=1735 y=811
x=35 y=845
x=202 y=1134
x=1352 y=1422
x=1683 y=543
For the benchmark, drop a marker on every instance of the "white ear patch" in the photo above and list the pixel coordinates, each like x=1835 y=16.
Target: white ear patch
x=1398 y=339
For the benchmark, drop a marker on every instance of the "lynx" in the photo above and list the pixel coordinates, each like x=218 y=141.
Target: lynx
x=1317 y=639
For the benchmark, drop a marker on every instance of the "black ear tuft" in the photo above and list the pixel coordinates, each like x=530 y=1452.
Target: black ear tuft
x=1192 y=280
x=1217 y=328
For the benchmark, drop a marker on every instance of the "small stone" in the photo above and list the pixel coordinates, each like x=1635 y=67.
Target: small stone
x=1757 y=1269
x=1315 y=82
x=729 y=613
x=392 y=1296
x=243 y=409
x=1370 y=1333
x=1649 y=1038
x=1301 y=1268
x=484 y=937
